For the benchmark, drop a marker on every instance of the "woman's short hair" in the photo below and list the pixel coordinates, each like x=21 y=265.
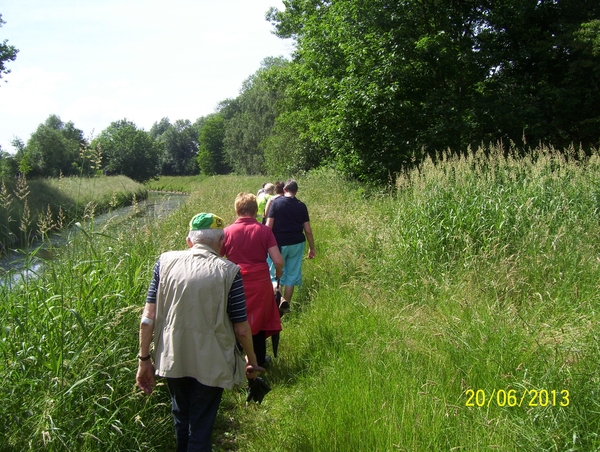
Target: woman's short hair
x=246 y=205
x=269 y=188
x=279 y=187
x=206 y=236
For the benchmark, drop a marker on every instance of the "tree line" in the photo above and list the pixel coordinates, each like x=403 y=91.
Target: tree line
x=373 y=87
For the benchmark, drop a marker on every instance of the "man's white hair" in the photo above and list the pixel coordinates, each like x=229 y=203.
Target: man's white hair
x=206 y=236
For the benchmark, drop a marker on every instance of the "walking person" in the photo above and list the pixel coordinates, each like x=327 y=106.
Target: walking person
x=262 y=200
x=288 y=218
x=195 y=313
x=278 y=189
x=248 y=243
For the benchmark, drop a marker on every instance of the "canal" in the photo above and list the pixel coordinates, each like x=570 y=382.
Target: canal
x=25 y=263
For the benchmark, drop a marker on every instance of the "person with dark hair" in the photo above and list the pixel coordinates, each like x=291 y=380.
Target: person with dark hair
x=248 y=243
x=289 y=220
x=196 y=314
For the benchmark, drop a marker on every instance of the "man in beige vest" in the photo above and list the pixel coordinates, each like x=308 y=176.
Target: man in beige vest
x=196 y=312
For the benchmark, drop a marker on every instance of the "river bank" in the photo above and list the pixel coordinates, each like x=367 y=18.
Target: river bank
x=33 y=209
x=23 y=263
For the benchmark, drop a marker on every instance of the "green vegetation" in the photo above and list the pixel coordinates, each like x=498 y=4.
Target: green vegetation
x=7 y=53
x=371 y=89
x=33 y=208
x=471 y=274
x=177 y=184
x=371 y=83
x=129 y=151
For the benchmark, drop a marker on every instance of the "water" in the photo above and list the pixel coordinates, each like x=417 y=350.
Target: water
x=25 y=265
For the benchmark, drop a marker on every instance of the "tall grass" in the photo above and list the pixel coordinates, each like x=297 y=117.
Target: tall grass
x=33 y=208
x=476 y=273
x=480 y=273
x=178 y=184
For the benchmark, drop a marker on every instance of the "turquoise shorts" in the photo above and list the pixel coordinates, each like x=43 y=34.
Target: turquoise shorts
x=292 y=268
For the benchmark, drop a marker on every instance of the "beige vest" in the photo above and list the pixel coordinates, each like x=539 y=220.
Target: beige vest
x=193 y=336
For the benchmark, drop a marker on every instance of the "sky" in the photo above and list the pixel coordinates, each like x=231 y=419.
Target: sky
x=93 y=62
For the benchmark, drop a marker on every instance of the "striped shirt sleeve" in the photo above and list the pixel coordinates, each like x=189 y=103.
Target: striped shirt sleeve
x=236 y=302
x=151 y=296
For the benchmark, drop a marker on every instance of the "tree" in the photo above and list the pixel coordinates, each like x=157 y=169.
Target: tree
x=7 y=53
x=210 y=146
x=375 y=84
x=544 y=82
x=180 y=146
x=8 y=165
x=129 y=151
x=287 y=148
x=160 y=127
x=252 y=120
x=53 y=149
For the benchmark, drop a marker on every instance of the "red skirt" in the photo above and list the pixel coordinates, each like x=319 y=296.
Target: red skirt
x=262 y=312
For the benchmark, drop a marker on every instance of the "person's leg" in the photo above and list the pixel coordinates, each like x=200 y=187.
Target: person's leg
x=194 y=410
x=288 y=291
x=179 y=390
x=203 y=412
x=260 y=347
x=292 y=270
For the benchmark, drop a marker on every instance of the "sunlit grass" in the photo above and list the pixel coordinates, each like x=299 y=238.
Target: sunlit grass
x=178 y=184
x=32 y=208
x=478 y=273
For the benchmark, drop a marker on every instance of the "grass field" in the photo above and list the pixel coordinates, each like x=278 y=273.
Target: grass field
x=458 y=310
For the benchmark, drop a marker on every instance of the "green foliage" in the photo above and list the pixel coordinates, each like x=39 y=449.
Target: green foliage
x=177 y=184
x=8 y=165
x=211 y=158
x=475 y=273
x=67 y=347
x=288 y=148
x=7 y=53
x=129 y=151
x=180 y=146
x=539 y=86
x=53 y=149
x=375 y=84
x=35 y=208
x=589 y=35
x=252 y=117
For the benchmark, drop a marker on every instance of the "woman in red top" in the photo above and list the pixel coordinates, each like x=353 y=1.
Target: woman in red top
x=247 y=243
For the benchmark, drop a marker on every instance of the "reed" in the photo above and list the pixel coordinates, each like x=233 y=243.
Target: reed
x=31 y=209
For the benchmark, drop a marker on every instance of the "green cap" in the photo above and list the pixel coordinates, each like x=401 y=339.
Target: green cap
x=206 y=221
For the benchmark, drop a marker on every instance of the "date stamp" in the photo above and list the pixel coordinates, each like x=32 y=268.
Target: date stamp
x=517 y=398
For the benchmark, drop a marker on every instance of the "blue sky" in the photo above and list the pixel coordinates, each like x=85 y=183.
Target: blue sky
x=97 y=61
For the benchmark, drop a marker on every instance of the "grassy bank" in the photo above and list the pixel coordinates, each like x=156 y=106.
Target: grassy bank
x=176 y=184
x=451 y=314
x=33 y=208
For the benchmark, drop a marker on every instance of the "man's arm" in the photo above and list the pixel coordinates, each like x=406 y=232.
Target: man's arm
x=311 y=241
x=244 y=337
x=145 y=374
